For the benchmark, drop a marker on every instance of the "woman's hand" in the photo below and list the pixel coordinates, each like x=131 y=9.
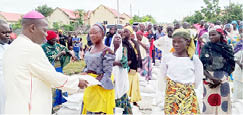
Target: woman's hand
x=84 y=73
x=116 y=63
x=216 y=82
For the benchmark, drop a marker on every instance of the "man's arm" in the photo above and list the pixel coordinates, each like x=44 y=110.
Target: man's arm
x=41 y=68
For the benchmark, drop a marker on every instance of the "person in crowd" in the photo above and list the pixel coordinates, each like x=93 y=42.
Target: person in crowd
x=146 y=70
x=165 y=43
x=110 y=35
x=120 y=72
x=159 y=34
x=76 y=45
x=177 y=25
x=203 y=38
x=62 y=38
x=238 y=74
x=183 y=72
x=232 y=36
x=59 y=56
x=134 y=62
x=99 y=59
x=70 y=42
x=4 y=38
x=218 y=62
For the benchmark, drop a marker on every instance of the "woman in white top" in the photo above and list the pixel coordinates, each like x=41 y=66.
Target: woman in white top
x=184 y=72
x=120 y=72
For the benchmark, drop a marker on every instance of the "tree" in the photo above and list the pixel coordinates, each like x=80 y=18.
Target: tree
x=17 y=25
x=147 y=18
x=232 y=12
x=212 y=13
x=44 y=10
x=56 y=26
x=80 y=13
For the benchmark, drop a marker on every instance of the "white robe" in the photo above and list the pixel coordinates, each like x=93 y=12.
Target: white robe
x=29 y=77
x=2 y=92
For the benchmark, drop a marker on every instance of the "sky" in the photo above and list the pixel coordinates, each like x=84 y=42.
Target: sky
x=161 y=10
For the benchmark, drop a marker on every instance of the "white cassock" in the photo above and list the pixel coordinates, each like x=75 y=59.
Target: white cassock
x=2 y=92
x=29 y=78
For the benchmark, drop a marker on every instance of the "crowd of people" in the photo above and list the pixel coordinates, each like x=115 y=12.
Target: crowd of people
x=204 y=55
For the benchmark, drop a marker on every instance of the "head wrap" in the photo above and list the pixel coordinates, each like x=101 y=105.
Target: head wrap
x=241 y=27
x=51 y=35
x=219 y=30
x=139 y=32
x=129 y=28
x=101 y=27
x=33 y=15
x=227 y=26
x=235 y=22
x=184 y=33
x=60 y=30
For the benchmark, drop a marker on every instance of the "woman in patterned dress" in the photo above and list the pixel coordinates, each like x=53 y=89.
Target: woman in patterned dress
x=59 y=56
x=184 y=72
x=218 y=62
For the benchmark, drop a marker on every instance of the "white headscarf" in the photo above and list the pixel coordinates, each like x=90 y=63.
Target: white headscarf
x=120 y=73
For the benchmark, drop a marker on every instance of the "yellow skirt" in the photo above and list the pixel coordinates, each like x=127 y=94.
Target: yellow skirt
x=98 y=99
x=134 y=91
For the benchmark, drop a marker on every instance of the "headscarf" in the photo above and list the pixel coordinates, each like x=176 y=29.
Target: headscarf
x=101 y=27
x=221 y=31
x=184 y=33
x=240 y=27
x=51 y=35
x=235 y=22
x=218 y=56
x=120 y=73
x=129 y=28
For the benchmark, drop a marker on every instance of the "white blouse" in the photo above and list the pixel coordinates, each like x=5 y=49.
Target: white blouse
x=182 y=69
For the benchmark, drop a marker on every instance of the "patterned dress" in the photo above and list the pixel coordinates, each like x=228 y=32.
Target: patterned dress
x=51 y=52
x=124 y=102
x=218 y=60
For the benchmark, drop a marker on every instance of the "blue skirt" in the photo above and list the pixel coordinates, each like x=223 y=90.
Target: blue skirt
x=58 y=98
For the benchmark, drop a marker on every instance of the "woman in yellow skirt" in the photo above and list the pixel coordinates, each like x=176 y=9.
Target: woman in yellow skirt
x=99 y=99
x=183 y=72
x=134 y=62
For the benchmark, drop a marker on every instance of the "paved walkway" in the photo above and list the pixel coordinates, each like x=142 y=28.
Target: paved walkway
x=151 y=102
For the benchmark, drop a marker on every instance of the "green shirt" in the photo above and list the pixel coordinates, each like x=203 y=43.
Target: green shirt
x=52 y=51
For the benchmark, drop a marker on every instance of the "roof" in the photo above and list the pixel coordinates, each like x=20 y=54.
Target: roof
x=13 y=17
x=124 y=14
x=113 y=11
x=70 y=13
x=87 y=14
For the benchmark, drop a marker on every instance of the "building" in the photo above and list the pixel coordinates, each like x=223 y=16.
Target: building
x=62 y=16
x=106 y=15
x=11 y=18
x=101 y=14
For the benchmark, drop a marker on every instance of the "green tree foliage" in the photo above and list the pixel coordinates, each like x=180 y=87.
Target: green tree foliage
x=44 y=10
x=147 y=18
x=68 y=27
x=212 y=12
x=232 y=12
x=80 y=13
x=56 y=26
x=17 y=25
